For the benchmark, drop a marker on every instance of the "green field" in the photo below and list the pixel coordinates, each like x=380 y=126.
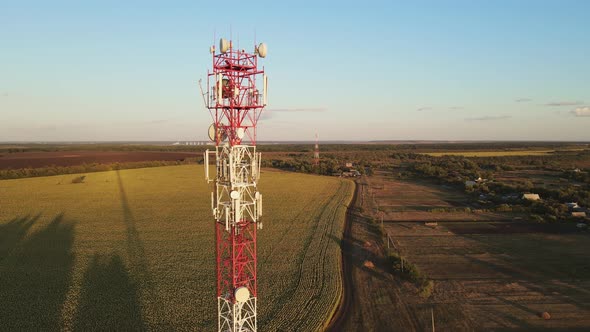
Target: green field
x=134 y=250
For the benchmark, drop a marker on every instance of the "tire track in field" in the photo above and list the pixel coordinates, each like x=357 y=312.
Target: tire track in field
x=305 y=292
x=329 y=227
x=287 y=229
x=294 y=285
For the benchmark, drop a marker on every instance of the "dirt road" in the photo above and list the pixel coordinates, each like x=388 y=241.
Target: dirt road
x=371 y=299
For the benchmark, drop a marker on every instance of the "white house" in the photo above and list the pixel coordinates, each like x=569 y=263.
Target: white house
x=469 y=184
x=531 y=197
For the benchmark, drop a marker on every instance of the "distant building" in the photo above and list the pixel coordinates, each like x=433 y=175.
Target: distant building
x=469 y=184
x=510 y=197
x=348 y=164
x=579 y=214
x=572 y=205
x=352 y=173
x=531 y=197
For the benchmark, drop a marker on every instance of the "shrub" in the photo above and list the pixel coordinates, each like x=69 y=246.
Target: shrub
x=426 y=289
x=79 y=179
x=410 y=271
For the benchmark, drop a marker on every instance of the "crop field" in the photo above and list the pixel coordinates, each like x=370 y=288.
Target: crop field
x=134 y=250
x=72 y=158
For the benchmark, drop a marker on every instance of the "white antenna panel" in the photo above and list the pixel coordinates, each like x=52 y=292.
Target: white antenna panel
x=219 y=88
x=211 y=132
x=223 y=45
x=265 y=89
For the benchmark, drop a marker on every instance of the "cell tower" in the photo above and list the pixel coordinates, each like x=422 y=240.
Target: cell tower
x=316 y=152
x=235 y=104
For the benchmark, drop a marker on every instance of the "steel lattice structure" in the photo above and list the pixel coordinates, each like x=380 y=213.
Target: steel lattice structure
x=235 y=104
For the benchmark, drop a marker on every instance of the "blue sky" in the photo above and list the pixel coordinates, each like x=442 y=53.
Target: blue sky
x=362 y=70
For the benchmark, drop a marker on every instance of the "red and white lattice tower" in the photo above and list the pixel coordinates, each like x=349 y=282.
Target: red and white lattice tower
x=235 y=103
x=316 y=151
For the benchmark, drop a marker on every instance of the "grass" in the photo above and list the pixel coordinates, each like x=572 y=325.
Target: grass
x=134 y=250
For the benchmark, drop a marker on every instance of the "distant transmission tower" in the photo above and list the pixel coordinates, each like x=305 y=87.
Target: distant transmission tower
x=316 y=152
x=235 y=103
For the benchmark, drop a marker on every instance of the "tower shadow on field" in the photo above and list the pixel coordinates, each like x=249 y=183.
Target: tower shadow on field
x=139 y=273
x=109 y=298
x=12 y=232
x=35 y=273
x=135 y=249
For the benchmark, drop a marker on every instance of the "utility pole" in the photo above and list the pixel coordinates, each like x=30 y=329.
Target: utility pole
x=432 y=315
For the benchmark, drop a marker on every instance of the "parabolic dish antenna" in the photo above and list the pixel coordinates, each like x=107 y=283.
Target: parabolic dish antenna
x=234 y=194
x=240 y=132
x=242 y=294
x=256 y=195
x=211 y=132
x=262 y=50
x=223 y=45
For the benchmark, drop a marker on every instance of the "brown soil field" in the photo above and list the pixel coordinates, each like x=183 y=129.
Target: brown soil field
x=494 y=273
x=73 y=158
x=372 y=299
x=540 y=178
x=502 y=275
x=490 y=270
x=413 y=201
x=448 y=216
x=397 y=195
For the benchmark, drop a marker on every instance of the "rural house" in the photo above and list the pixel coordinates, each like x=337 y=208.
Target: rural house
x=531 y=197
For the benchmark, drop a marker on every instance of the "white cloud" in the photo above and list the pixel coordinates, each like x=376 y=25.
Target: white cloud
x=489 y=118
x=564 y=103
x=268 y=113
x=313 y=110
x=581 y=111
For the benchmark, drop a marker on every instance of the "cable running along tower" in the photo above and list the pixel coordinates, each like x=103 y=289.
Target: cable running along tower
x=235 y=102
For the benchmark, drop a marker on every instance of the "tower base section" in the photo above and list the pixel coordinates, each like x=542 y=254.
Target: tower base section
x=236 y=317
